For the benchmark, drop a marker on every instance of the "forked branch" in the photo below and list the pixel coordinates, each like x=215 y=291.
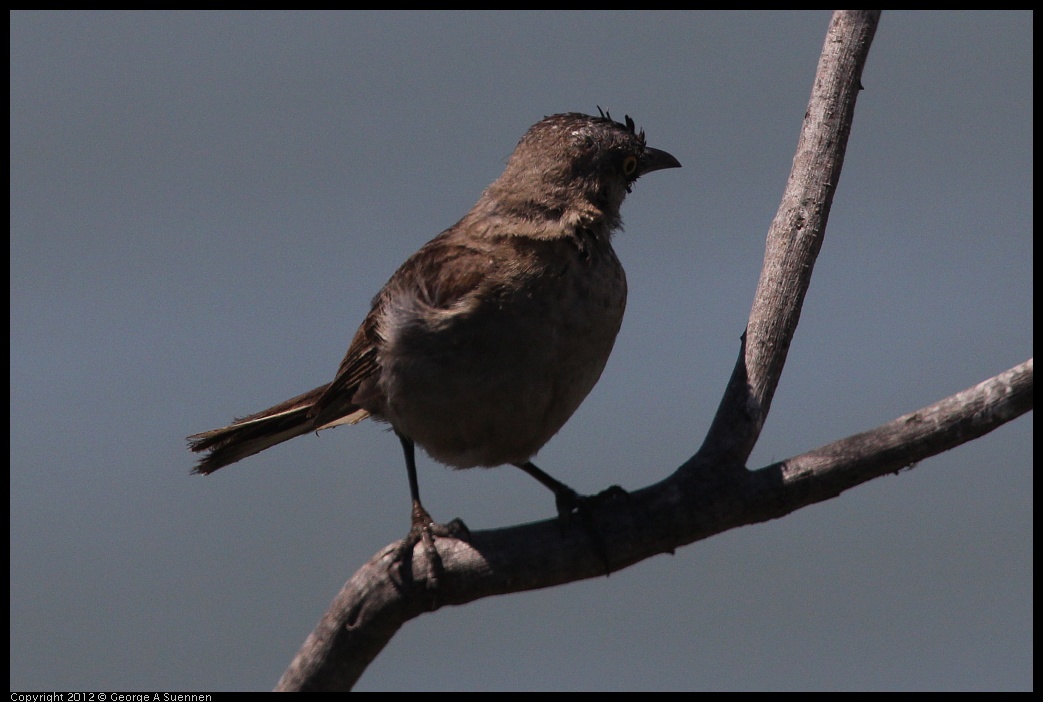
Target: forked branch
x=713 y=491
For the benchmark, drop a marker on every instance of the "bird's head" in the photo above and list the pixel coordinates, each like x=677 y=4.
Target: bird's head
x=576 y=169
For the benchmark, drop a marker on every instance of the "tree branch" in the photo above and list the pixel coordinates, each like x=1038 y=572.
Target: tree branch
x=794 y=240
x=712 y=492
x=682 y=509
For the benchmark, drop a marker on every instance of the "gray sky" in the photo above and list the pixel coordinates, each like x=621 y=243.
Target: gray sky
x=202 y=206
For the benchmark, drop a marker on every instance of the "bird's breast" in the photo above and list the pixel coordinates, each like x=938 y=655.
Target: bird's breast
x=489 y=379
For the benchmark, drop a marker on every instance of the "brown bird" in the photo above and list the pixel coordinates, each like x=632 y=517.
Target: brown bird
x=486 y=340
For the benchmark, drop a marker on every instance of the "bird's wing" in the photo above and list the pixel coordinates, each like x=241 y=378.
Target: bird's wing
x=336 y=405
x=442 y=274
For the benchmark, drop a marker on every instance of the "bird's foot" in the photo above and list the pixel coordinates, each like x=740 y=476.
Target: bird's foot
x=423 y=530
x=573 y=507
x=570 y=503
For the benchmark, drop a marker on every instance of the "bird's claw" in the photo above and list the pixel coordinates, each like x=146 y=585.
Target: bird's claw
x=423 y=530
x=572 y=506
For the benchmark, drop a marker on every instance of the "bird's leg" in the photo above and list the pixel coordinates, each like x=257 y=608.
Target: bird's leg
x=422 y=528
x=571 y=504
x=566 y=499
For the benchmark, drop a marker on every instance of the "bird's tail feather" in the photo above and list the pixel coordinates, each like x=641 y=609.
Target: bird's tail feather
x=255 y=433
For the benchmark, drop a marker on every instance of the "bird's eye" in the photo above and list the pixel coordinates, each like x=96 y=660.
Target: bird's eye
x=629 y=165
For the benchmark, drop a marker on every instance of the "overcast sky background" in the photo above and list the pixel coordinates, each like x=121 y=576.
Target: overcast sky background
x=202 y=206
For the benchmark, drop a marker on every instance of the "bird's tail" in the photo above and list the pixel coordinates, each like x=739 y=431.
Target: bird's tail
x=255 y=433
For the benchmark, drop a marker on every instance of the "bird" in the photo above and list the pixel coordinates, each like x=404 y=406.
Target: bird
x=485 y=341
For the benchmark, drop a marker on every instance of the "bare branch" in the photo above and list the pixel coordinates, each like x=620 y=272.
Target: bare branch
x=794 y=239
x=827 y=471
x=712 y=492
x=684 y=508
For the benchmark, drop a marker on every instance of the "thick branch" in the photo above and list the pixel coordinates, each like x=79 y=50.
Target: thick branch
x=682 y=509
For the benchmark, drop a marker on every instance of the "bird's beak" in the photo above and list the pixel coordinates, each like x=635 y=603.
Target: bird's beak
x=656 y=159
